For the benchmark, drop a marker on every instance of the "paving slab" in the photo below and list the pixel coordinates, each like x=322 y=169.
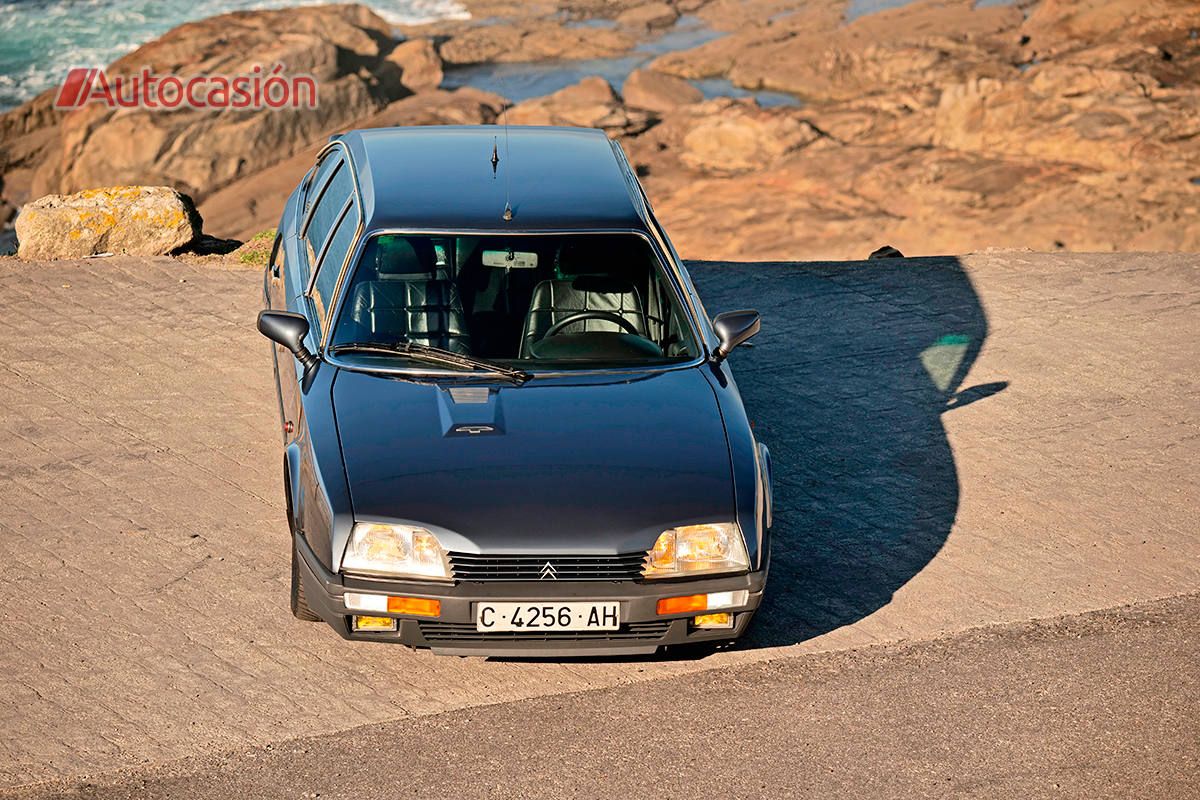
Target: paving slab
x=958 y=442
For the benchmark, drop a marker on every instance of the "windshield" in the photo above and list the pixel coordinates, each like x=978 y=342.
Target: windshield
x=561 y=301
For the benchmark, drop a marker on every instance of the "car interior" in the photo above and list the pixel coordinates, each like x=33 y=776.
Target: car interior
x=531 y=298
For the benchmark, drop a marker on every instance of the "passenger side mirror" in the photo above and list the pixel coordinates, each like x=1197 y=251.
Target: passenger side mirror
x=733 y=328
x=288 y=329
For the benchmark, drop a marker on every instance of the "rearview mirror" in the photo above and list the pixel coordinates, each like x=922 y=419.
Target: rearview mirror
x=733 y=328
x=288 y=329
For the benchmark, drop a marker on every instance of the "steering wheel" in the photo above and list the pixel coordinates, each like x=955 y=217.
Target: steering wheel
x=609 y=316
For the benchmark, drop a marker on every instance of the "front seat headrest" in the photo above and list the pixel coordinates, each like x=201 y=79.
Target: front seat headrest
x=580 y=254
x=401 y=258
x=601 y=284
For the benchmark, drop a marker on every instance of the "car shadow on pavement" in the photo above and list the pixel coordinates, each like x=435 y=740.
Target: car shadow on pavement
x=847 y=384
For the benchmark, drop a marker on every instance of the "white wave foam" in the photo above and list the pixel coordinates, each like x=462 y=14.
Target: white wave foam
x=41 y=40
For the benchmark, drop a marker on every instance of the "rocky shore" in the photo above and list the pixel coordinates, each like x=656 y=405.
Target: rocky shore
x=935 y=127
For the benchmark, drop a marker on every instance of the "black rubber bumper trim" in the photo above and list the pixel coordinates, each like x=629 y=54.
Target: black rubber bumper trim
x=639 y=603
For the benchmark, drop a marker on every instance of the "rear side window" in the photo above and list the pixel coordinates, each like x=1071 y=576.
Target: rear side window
x=327 y=208
x=332 y=259
x=318 y=178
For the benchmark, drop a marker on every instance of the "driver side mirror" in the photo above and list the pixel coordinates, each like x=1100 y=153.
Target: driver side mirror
x=288 y=329
x=733 y=328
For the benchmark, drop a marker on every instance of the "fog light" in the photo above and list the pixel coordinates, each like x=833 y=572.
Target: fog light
x=723 y=620
x=374 y=624
x=418 y=606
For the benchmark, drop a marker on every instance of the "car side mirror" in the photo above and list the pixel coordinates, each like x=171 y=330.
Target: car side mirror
x=288 y=329
x=733 y=328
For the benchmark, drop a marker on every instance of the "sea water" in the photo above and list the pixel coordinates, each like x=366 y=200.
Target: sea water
x=522 y=80
x=40 y=40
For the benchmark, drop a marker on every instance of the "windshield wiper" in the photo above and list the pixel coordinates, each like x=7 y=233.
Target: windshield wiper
x=435 y=355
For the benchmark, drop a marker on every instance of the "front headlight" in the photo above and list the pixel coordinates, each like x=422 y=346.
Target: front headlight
x=697 y=550
x=395 y=551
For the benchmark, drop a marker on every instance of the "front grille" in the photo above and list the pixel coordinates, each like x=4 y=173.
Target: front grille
x=622 y=567
x=465 y=632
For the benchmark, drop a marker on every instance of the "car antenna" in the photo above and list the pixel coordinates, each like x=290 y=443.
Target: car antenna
x=495 y=158
x=508 y=212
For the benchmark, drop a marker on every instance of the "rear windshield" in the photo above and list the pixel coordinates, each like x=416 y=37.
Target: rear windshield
x=560 y=301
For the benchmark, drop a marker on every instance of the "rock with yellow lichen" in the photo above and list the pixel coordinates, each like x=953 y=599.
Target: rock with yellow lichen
x=136 y=220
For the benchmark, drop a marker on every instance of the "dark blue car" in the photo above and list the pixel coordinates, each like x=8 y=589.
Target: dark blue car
x=509 y=426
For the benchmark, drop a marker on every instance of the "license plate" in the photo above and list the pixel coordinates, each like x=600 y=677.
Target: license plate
x=588 y=616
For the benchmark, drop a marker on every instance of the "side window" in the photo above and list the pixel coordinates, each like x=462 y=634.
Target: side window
x=332 y=259
x=277 y=254
x=318 y=176
x=689 y=288
x=327 y=208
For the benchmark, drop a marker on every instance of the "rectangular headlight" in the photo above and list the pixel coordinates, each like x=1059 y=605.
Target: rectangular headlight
x=697 y=550
x=400 y=551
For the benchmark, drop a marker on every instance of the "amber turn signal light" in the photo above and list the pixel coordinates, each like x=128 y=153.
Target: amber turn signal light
x=682 y=605
x=417 y=606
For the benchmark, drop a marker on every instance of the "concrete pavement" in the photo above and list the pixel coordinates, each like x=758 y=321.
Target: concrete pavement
x=958 y=442
x=1101 y=705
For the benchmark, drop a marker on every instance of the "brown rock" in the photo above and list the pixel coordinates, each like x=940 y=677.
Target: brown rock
x=1104 y=119
x=651 y=15
x=419 y=64
x=1056 y=26
x=27 y=134
x=594 y=90
x=886 y=251
x=533 y=41
x=927 y=119
x=738 y=135
x=591 y=103
x=657 y=91
x=742 y=15
x=136 y=220
x=917 y=45
x=465 y=106
x=834 y=201
x=200 y=150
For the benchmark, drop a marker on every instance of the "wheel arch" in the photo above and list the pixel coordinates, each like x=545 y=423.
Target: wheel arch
x=291 y=490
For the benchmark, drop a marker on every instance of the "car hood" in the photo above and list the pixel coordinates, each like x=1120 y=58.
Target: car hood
x=581 y=465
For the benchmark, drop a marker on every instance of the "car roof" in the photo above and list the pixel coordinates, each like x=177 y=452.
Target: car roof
x=442 y=178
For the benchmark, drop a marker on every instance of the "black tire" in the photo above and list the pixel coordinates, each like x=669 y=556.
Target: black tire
x=300 y=609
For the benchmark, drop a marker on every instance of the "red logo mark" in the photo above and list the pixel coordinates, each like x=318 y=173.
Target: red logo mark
x=75 y=88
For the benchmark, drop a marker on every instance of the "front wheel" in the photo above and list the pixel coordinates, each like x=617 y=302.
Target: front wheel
x=300 y=609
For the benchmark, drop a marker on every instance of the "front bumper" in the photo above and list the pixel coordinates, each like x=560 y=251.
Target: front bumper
x=642 y=629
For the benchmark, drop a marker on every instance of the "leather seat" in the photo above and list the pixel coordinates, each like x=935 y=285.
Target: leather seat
x=555 y=300
x=409 y=301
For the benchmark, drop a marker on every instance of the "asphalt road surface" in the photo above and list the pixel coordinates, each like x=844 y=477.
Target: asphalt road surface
x=1103 y=705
